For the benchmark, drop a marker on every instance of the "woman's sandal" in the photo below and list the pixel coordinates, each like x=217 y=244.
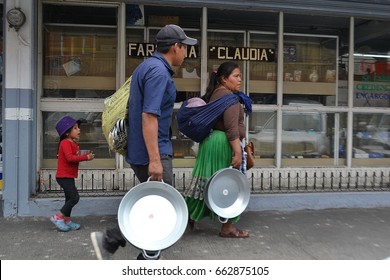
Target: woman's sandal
x=191 y=224
x=236 y=233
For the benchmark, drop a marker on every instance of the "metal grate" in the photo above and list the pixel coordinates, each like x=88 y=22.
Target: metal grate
x=118 y=182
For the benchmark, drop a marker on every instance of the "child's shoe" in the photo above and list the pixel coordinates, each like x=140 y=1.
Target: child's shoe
x=72 y=225
x=59 y=223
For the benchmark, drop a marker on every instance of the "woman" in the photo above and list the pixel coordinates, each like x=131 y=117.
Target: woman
x=222 y=149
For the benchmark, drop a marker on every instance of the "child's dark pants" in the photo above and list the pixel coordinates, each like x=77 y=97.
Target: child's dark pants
x=72 y=196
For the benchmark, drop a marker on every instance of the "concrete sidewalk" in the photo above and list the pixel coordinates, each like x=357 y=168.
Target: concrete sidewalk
x=331 y=234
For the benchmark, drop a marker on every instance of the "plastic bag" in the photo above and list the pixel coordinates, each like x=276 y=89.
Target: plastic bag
x=115 y=118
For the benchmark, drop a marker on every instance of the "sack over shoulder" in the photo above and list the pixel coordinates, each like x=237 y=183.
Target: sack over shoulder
x=250 y=155
x=196 y=122
x=115 y=118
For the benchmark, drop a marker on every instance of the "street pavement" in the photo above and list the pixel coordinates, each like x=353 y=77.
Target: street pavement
x=329 y=234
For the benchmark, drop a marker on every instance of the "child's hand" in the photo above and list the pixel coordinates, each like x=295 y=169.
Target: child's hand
x=91 y=156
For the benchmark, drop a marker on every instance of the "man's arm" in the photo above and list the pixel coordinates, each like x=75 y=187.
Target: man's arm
x=150 y=133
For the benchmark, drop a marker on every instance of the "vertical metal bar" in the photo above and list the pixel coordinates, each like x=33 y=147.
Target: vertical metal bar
x=82 y=181
x=288 y=181
x=121 y=61
x=351 y=50
x=103 y=188
x=279 y=91
x=336 y=140
x=203 y=49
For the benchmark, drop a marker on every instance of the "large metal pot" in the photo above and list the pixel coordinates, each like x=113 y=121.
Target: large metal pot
x=227 y=193
x=152 y=216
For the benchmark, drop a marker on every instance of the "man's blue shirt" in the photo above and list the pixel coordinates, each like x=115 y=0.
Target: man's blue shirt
x=152 y=90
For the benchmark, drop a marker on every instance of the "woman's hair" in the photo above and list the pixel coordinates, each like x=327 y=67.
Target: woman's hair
x=224 y=70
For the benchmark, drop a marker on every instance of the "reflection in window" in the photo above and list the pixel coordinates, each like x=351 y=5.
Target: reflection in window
x=305 y=134
x=262 y=132
x=303 y=122
x=372 y=63
x=371 y=136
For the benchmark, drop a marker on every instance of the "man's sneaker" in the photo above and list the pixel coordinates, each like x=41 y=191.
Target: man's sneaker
x=72 y=225
x=97 y=241
x=60 y=224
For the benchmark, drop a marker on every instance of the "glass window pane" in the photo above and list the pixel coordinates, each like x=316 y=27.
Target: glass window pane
x=262 y=74
x=135 y=37
x=372 y=63
x=91 y=138
x=79 y=58
x=310 y=66
x=262 y=132
x=371 y=138
x=304 y=134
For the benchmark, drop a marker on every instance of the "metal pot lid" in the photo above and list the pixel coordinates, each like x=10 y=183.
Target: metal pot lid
x=227 y=193
x=152 y=216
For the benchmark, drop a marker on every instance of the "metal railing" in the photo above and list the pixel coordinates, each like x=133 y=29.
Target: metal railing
x=118 y=182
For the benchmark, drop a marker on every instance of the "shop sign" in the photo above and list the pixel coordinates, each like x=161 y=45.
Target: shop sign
x=242 y=53
x=215 y=52
x=374 y=93
x=147 y=49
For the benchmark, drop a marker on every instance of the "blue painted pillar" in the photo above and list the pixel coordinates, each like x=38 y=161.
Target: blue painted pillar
x=19 y=123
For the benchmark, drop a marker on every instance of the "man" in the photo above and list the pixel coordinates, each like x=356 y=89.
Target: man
x=149 y=150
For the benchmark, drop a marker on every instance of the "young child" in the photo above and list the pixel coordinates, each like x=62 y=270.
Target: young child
x=67 y=170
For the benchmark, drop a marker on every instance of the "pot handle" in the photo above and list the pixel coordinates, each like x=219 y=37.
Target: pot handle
x=223 y=220
x=150 y=177
x=155 y=256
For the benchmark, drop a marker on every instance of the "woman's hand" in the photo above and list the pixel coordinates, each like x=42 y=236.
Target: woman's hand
x=237 y=160
x=237 y=153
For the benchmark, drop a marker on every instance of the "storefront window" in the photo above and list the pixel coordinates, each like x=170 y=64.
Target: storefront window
x=79 y=70
x=313 y=48
x=80 y=61
x=262 y=71
x=79 y=57
x=372 y=64
x=305 y=135
x=371 y=89
x=262 y=132
x=371 y=139
x=310 y=65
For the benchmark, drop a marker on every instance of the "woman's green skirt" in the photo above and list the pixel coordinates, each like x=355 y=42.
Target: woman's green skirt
x=215 y=153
